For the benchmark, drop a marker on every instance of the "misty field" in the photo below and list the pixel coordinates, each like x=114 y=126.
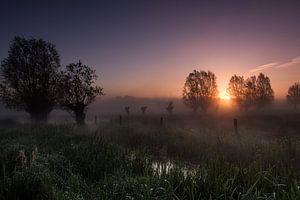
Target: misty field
x=142 y=157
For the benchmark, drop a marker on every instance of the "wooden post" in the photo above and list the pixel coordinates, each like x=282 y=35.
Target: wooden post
x=96 y=119
x=120 y=120
x=161 y=121
x=235 y=126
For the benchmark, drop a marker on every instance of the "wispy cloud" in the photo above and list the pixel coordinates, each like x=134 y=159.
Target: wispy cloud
x=289 y=63
x=262 y=67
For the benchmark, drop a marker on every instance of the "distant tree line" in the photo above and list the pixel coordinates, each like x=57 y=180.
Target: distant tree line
x=251 y=92
x=31 y=79
x=200 y=91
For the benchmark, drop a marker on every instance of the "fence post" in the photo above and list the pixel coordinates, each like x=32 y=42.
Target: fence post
x=235 y=126
x=96 y=119
x=120 y=120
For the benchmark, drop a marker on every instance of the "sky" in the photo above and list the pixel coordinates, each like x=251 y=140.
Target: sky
x=148 y=47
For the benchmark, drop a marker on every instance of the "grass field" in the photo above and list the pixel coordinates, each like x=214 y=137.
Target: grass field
x=187 y=157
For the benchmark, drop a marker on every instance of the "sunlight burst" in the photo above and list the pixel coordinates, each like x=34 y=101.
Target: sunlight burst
x=224 y=96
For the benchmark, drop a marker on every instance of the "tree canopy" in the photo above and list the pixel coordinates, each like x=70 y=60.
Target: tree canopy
x=264 y=92
x=200 y=90
x=236 y=90
x=293 y=95
x=78 y=90
x=253 y=91
x=29 y=77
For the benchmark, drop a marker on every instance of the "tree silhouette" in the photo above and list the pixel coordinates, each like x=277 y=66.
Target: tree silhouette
x=127 y=109
x=263 y=91
x=236 y=90
x=251 y=92
x=200 y=90
x=143 y=109
x=78 y=90
x=293 y=95
x=170 y=107
x=29 y=77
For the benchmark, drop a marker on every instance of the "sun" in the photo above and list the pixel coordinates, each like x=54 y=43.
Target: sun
x=224 y=96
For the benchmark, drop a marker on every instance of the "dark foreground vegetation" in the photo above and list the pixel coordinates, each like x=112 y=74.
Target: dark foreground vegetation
x=187 y=157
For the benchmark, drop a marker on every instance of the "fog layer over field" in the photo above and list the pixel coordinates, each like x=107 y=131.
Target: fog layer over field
x=116 y=106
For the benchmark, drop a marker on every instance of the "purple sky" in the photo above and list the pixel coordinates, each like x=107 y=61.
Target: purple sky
x=147 y=48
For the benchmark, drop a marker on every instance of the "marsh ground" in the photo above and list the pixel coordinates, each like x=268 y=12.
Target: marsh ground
x=186 y=157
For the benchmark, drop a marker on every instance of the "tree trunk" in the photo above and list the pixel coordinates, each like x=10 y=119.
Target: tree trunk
x=80 y=118
x=39 y=117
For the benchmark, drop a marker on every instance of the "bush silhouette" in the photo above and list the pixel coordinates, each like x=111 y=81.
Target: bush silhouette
x=143 y=109
x=170 y=107
x=127 y=109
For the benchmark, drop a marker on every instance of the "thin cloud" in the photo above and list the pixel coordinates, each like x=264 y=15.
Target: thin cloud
x=290 y=63
x=276 y=65
x=263 y=67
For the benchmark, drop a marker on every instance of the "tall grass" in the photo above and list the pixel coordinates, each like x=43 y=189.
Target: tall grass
x=116 y=162
x=197 y=142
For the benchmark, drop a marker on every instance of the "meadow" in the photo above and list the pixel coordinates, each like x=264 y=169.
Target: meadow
x=185 y=157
